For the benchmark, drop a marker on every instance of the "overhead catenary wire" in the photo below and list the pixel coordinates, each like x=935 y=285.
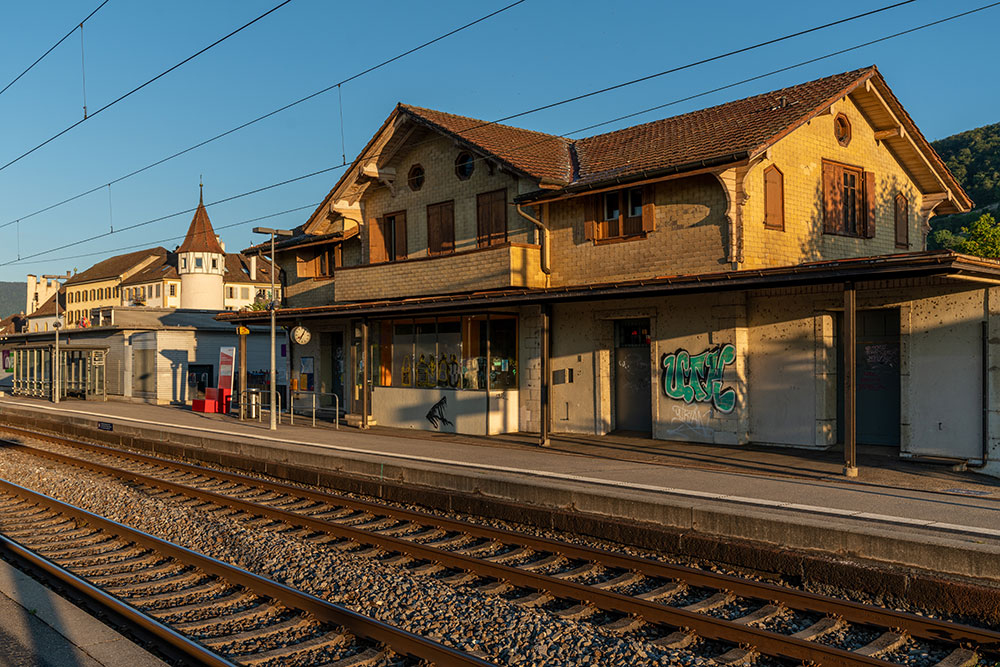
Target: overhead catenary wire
x=146 y=83
x=53 y=47
x=271 y=113
x=556 y=138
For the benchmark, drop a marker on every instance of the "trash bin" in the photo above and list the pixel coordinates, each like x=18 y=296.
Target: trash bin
x=254 y=405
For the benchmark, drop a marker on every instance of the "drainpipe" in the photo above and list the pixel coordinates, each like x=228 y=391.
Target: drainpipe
x=545 y=237
x=985 y=342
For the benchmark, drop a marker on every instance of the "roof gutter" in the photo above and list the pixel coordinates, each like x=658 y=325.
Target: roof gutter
x=643 y=175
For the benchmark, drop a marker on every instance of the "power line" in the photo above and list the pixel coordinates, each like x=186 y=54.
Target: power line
x=553 y=138
x=53 y=47
x=267 y=115
x=143 y=85
x=180 y=236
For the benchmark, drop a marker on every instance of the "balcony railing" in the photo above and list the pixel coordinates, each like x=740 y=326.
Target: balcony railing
x=507 y=265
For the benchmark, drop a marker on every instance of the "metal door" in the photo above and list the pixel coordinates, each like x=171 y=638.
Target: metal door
x=632 y=377
x=878 y=394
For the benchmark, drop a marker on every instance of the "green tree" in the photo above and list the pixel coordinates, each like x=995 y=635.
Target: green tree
x=982 y=238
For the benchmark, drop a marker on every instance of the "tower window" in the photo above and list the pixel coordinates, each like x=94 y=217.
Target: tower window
x=215 y=263
x=184 y=262
x=198 y=263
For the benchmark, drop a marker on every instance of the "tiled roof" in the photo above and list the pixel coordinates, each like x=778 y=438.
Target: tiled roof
x=708 y=134
x=544 y=156
x=114 y=266
x=200 y=235
x=48 y=309
x=163 y=268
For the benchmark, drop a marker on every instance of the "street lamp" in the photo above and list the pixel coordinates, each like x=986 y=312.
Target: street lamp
x=272 y=307
x=56 y=362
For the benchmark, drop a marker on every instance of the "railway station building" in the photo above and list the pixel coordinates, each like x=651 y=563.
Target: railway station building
x=754 y=272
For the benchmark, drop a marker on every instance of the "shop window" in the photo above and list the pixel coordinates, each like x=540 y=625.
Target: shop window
x=848 y=200
x=465 y=164
x=902 y=210
x=447 y=352
x=441 y=228
x=491 y=215
x=387 y=238
x=774 y=198
x=627 y=213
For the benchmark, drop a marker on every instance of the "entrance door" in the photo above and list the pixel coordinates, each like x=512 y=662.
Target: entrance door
x=877 y=376
x=632 y=376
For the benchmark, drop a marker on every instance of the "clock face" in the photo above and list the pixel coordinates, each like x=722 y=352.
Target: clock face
x=301 y=335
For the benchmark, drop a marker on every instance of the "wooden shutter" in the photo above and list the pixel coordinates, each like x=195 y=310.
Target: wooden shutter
x=833 y=213
x=870 y=210
x=434 y=229
x=591 y=207
x=648 y=208
x=305 y=263
x=483 y=219
x=498 y=217
x=902 y=221
x=448 y=227
x=400 y=235
x=376 y=241
x=774 y=196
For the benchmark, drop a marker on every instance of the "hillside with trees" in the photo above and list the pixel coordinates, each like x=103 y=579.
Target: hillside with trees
x=974 y=157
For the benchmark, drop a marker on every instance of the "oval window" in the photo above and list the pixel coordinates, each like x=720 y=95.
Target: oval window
x=465 y=164
x=842 y=129
x=415 y=179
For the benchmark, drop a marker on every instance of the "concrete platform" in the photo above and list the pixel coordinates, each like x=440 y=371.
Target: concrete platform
x=38 y=628
x=906 y=514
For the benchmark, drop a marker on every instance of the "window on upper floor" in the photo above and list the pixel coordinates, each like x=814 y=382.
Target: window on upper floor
x=198 y=262
x=184 y=262
x=842 y=129
x=774 y=198
x=465 y=164
x=441 y=228
x=627 y=213
x=316 y=262
x=215 y=263
x=848 y=200
x=244 y=292
x=415 y=178
x=491 y=218
x=902 y=211
x=387 y=238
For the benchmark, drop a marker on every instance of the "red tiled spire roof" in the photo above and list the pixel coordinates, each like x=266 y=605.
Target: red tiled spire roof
x=200 y=235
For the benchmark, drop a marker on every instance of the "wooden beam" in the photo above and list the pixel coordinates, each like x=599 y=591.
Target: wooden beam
x=892 y=132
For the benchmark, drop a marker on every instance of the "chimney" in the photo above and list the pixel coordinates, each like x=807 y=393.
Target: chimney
x=253 y=266
x=219 y=239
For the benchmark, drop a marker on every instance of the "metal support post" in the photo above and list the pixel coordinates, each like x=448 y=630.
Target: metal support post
x=364 y=373
x=243 y=373
x=546 y=373
x=850 y=381
x=273 y=307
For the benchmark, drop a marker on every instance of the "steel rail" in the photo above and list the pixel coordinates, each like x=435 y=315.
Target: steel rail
x=400 y=641
x=767 y=642
x=130 y=614
x=920 y=627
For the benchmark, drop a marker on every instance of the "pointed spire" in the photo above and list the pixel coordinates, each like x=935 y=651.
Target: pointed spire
x=201 y=191
x=200 y=235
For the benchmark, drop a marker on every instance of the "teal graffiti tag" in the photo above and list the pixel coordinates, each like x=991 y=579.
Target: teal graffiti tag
x=698 y=378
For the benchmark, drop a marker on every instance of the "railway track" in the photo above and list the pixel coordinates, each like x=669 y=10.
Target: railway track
x=199 y=609
x=675 y=605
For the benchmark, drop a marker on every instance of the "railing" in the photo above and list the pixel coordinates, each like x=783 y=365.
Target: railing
x=258 y=404
x=314 y=394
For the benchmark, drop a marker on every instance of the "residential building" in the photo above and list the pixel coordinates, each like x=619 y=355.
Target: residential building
x=696 y=278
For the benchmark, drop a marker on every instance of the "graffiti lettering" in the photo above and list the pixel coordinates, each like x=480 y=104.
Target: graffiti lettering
x=698 y=378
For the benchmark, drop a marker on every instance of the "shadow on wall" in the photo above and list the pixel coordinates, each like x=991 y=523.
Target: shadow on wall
x=813 y=246
x=178 y=360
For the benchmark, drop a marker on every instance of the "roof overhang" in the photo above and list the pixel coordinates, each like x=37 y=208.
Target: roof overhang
x=934 y=263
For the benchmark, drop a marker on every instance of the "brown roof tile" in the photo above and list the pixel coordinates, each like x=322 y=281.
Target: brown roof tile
x=237 y=271
x=544 y=156
x=200 y=235
x=114 y=266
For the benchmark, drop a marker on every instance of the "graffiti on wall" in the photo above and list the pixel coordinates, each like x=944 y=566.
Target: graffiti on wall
x=438 y=414
x=699 y=378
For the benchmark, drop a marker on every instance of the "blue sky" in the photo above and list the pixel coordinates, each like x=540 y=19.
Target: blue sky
x=538 y=52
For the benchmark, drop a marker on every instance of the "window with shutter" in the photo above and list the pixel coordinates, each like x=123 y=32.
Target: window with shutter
x=848 y=200
x=491 y=218
x=441 y=228
x=376 y=241
x=774 y=198
x=627 y=213
x=902 y=221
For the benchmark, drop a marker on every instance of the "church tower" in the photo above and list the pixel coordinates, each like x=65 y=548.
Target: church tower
x=201 y=264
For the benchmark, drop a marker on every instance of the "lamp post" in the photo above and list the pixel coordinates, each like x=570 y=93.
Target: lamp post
x=272 y=307
x=56 y=362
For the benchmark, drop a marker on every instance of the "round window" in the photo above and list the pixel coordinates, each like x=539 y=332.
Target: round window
x=415 y=179
x=465 y=164
x=842 y=129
